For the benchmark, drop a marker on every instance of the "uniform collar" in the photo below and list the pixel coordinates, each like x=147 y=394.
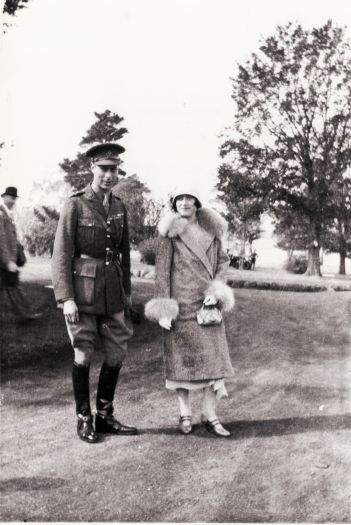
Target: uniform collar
x=94 y=200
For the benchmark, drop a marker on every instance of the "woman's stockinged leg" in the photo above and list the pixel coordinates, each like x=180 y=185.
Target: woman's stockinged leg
x=184 y=402
x=209 y=403
x=185 y=423
x=209 y=416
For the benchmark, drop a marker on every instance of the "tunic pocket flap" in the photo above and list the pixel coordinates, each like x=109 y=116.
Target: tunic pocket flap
x=85 y=268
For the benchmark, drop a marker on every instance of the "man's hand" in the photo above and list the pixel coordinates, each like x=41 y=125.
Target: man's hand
x=165 y=322
x=210 y=300
x=70 y=311
x=12 y=266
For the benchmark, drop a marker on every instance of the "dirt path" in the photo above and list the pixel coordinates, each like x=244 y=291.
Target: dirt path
x=289 y=458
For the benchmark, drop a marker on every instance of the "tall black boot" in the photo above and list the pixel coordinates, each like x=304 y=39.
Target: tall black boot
x=80 y=378
x=104 y=420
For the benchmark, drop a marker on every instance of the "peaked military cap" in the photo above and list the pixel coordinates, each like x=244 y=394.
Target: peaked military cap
x=105 y=153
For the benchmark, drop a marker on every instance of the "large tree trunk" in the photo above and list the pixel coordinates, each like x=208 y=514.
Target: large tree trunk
x=243 y=246
x=314 y=265
x=342 y=265
x=342 y=248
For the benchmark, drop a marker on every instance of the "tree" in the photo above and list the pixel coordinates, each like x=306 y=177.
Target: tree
x=11 y=6
x=291 y=229
x=153 y=212
x=338 y=234
x=143 y=212
x=36 y=223
x=105 y=129
x=131 y=191
x=40 y=232
x=293 y=101
x=241 y=188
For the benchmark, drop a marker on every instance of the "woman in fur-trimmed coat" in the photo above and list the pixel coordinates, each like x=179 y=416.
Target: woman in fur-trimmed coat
x=190 y=269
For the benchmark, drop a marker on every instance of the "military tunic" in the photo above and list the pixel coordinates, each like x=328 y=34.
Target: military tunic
x=80 y=268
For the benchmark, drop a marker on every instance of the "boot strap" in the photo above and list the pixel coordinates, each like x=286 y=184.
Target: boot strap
x=84 y=418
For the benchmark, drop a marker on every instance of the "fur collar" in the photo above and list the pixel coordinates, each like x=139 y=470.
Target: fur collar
x=172 y=224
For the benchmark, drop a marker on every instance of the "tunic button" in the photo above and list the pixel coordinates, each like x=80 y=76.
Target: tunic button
x=108 y=236
x=107 y=263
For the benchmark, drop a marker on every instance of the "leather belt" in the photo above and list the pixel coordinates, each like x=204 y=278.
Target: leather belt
x=85 y=256
x=111 y=256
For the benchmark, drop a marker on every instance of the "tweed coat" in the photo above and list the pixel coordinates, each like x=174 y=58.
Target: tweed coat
x=86 y=229
x=185 y=272
x=8 y=238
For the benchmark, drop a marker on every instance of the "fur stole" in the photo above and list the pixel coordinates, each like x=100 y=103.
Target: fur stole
x=172 y=224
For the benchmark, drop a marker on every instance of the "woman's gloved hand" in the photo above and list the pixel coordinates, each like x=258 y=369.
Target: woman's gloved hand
x=210 y=300
x=165 y=322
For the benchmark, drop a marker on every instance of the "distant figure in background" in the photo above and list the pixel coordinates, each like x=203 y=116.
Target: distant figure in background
x=253 y=258
x=11 y=258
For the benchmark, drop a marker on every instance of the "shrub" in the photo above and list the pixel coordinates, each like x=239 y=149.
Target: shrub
x=147 y=249
x=296 y=264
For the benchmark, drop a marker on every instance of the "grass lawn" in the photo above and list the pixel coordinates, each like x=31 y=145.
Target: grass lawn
x=289 y=458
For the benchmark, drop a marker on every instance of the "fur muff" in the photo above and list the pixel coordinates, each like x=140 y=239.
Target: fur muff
x=172 y=224
x=223 y=293
x=157 y=308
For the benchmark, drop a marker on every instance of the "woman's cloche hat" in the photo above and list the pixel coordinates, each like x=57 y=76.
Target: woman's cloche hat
x=186 y=189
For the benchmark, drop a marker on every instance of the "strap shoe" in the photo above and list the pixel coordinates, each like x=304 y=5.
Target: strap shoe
x=185 y=425
x=215 y=427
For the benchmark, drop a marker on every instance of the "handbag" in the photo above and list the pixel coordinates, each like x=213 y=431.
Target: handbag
x=209 y=315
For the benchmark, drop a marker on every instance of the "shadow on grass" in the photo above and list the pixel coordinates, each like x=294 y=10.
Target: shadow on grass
x=55 y=401
x=25 y=484
x=267 y=427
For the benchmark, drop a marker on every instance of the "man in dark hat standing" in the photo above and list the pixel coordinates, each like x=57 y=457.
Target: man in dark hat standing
x=11 y=258
x=91 y=278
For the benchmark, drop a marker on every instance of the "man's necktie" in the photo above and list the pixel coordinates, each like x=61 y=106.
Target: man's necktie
x=106 y=203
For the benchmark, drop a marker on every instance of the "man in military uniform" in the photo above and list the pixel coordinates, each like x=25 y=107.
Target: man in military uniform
x=91 y=278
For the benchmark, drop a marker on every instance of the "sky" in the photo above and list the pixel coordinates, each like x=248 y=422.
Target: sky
x=163 y=65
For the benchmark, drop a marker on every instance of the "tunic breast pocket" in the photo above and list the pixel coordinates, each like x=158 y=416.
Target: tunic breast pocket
x=84 y=277
x=88 y=234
